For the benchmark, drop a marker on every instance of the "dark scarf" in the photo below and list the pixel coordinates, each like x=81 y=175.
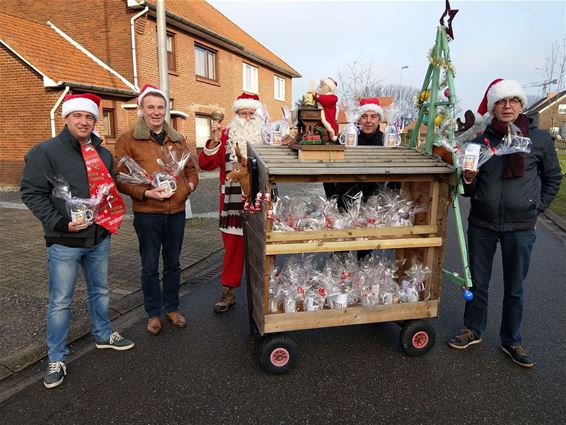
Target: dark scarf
x=515 y=161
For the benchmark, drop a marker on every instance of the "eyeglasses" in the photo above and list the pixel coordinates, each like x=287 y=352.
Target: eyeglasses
x=246 y=114
x=514 y=101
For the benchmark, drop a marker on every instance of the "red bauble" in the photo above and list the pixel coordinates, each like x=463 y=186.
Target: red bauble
x=447 y=93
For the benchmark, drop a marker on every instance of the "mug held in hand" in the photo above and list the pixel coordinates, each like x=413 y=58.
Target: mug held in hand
x=167 y=182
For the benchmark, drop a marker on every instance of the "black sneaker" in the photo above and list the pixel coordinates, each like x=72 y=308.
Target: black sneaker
x=116 y=342
x=464 y=339
x=518 y=355
x=55 y=374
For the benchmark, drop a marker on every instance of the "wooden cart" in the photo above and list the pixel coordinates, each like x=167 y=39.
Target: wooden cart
x=424 y=177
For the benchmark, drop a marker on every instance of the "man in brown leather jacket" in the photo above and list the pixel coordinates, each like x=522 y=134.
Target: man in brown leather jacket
x=159 y=212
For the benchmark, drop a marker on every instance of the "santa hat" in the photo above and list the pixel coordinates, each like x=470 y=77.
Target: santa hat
x=371 y=104
x=149 y=89
x=246 y=100
x=330 y=82
x=501 y=89
x=86 y=102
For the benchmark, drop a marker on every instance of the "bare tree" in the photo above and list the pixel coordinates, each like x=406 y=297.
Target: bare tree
x=555 y=66
x=358 y=80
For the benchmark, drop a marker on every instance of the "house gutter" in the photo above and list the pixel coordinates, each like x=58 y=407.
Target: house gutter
x=54 y=109
x=133 y=36
x=98 y=89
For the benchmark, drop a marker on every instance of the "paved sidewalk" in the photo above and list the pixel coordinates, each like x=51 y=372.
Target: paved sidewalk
x=23 y=281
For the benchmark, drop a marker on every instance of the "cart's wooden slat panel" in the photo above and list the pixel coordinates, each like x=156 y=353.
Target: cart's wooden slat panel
x=324 y=246
x=350 y=316
x=349 y=233
x=256 y=265
x=283 y=161
x=424 y=177
x=438 y=259
x=337 y=170
x=354 y=178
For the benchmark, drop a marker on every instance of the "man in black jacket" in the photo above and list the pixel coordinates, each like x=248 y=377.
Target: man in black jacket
x=74 y=237
x=507 y=193
x=371 y=114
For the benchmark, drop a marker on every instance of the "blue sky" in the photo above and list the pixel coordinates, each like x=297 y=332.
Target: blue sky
x=508 y=39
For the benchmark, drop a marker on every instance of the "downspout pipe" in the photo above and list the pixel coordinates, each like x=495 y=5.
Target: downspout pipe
x=133 y=36
x=54 y=109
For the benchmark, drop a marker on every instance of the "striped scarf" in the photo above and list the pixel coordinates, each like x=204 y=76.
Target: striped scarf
x=230 y=217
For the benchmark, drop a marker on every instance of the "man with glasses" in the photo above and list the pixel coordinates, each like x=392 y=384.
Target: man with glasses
x=507 y=194
x=220 y=152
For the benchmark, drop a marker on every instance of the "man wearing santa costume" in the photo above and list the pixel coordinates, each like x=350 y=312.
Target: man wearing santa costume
x=220 y=152
x=507 y=194
x=83 y=168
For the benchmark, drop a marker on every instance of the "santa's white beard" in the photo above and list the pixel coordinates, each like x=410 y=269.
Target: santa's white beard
x=242 y=131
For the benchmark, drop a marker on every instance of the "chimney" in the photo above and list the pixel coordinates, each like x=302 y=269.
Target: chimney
x=550 y=95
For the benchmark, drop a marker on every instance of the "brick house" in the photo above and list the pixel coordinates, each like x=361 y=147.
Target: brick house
x=549 y=114
x=109 y=47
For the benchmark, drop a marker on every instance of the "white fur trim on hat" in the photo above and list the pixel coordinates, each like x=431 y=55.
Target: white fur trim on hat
x=79 y=104
x=245 y=103
x=330 y=83
x=151 y=90
x=371 y=107
x=504 y=90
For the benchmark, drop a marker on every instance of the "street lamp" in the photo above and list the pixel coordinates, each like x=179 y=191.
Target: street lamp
x=401 y=80
x=401 y=91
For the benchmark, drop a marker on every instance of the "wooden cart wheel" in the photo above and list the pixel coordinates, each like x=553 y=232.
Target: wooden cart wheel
x=417 y=337
x=278 y=354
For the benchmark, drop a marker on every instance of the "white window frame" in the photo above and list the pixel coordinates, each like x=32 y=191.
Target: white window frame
x=250 y=77
x=279 y=88
x=562 y=109
x=201 y=137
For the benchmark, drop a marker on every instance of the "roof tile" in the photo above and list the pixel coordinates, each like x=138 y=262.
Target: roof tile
x=52 y=55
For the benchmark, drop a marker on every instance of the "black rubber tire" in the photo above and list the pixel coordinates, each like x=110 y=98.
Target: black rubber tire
x=417 y=337
x=278 y=354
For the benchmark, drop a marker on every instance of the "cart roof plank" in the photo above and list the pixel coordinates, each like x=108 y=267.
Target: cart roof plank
x=373 y=160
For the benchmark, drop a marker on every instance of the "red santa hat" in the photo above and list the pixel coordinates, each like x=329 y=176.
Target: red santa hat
x=501 y=89
x=246 y=100
x=149 y=89
x=330 y=82
x=85 y=102
x=371 y=104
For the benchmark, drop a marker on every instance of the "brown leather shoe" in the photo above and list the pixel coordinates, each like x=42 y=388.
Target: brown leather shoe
x=176 y=319
x=154 y=325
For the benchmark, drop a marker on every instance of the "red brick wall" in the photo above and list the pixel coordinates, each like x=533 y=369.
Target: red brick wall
x=24 y=108
x=104 y=30
x=101 y=26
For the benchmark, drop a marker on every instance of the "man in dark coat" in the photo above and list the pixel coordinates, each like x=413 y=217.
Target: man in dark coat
x=74 y=238
x=507 y=193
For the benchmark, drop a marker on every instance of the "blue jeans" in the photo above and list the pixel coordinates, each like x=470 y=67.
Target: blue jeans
x=63 y=265
x=516 y=248
x=160 y=232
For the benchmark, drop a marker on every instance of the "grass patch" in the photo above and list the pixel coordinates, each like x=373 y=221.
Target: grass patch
x=558 y=206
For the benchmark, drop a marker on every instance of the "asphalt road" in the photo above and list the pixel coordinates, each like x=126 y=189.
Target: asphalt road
x=209 y=373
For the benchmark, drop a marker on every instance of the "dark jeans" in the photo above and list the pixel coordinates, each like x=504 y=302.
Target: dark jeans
x=160 y=232
x=516 y=248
